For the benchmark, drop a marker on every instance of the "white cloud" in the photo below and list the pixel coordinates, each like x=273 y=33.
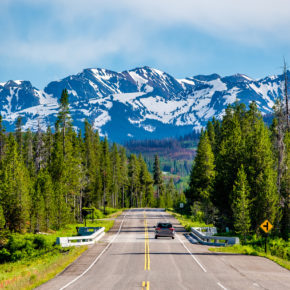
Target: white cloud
x=124 y=28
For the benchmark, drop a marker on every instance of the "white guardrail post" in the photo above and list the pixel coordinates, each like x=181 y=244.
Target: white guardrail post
x=206 y=236
x=81 y=240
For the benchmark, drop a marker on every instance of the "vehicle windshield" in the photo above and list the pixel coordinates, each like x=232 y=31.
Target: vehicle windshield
x=164 y=225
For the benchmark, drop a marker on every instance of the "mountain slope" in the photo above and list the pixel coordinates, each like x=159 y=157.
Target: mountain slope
x=140 y=103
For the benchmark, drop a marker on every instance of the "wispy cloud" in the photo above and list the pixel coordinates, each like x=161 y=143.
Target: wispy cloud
x=75 y=34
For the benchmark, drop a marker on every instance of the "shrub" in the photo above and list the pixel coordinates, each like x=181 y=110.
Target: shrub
x=40 y=242
x=4 y=255
x=23 y=246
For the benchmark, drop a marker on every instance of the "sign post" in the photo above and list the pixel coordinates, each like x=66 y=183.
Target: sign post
x=87 y=211
x=266 y=226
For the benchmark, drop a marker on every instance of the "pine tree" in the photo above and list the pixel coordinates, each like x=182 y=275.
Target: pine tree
x=146 y=185
x=157 y=176
x=63 y=118
x=171 y=194
x=28 y=152
x=106 y=172
x=2 y=139
x=260 y=168
x=18 y=133
x=45 y=198
x=14 y=188
x=134 y=182
x=240 y=205
x=203 y=172
x=2 y=218
x=39 y=150
x=229 y=157
x=285 y=190
x=116 y=178
x=57 y=170
x=124 y=177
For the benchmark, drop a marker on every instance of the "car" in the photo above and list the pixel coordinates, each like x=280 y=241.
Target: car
x=164 y=230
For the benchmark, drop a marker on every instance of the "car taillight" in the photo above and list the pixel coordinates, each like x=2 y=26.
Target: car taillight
x=157 y=229
x=172 y=229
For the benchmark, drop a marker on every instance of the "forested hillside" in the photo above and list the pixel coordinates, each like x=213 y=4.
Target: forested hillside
x=241 y=171
x=46 y=178
x=176 y=154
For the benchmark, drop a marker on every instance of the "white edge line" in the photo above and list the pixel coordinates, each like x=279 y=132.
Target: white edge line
x=221 y=286
x=95 y=261
x=194 y=258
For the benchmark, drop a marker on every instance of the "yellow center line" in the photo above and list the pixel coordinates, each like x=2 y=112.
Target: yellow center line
x=147 y=257
x=147 y=285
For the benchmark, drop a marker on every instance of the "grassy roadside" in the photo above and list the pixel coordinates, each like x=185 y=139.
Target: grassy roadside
x=31 y=272
x=187 y=221
x=248 y=250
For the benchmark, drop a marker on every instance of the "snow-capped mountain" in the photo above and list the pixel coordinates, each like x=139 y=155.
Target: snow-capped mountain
x=139 y=103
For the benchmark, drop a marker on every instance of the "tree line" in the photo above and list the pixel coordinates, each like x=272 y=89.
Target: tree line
x=47 y=178
x=240 y=175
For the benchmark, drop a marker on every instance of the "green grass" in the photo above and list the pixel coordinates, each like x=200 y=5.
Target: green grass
x=249 y=250
x=187 y=221
x=32 y=271
x=28 y=274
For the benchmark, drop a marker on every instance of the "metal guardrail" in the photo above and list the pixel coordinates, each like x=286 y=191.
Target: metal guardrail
x=86 y=231
x=81 y=240
x=212 y=240
x=207 y=231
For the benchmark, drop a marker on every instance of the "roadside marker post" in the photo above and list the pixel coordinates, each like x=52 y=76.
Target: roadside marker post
x=266 y=226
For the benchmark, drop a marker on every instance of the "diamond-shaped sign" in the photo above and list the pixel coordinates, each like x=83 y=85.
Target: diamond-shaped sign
x=266 y=226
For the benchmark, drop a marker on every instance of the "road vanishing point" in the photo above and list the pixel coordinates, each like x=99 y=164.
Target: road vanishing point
x=129 y=257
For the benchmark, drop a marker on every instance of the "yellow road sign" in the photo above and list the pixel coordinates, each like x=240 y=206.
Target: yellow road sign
x=266 y=226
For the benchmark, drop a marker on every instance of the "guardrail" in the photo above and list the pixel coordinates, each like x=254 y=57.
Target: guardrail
x=86 y=231
x=207 y=231
x=212 y=240
x=81 y=240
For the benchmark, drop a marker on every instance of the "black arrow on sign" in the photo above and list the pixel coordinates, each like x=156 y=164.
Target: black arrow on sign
x=266 y=226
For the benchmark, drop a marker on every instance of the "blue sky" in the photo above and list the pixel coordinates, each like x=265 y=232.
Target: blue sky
x=45 y=40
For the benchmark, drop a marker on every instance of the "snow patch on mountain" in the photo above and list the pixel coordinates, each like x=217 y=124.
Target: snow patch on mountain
x=139 y=103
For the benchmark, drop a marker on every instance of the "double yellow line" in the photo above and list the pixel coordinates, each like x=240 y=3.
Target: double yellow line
x=145 y=286
x=147 y=256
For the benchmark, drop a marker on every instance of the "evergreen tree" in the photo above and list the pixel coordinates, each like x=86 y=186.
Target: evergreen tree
x=14 y=188
x=45 y=198
x=259 y=165
x=157 y=176
x=203 y=172
x=39 y=150
x=18 y=133
x=240 y=205
x=28 y=152
x=106 y=172
x=285 y=190
x=228 y=160
x=134 y=182
x=171 y=194
x=123 y=177
x=2 y=139
x=116 y=178
x=63 y=118
x=146 y=185
x=2 y=218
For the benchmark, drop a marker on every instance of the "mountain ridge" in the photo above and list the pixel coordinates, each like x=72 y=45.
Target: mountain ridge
x=140 y=103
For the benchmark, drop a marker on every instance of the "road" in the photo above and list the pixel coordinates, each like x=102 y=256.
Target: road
x=130 y=258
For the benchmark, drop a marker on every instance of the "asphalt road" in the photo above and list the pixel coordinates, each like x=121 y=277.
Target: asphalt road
x=130 y=258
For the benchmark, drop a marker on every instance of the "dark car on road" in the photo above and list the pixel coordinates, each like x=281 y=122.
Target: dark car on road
x=164 y=230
